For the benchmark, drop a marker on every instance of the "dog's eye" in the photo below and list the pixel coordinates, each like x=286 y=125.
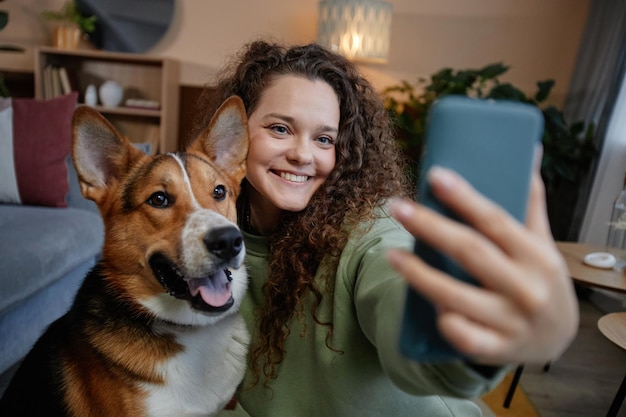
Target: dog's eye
x=219 y=192
x=159 y=200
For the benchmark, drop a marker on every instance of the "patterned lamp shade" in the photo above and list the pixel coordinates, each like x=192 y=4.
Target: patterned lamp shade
x=358 y=29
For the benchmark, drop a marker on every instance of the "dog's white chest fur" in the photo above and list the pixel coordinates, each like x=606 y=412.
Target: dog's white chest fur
x=201 y=379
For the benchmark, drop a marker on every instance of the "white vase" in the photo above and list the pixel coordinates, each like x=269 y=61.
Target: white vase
x=91 y=95
x=111 y=94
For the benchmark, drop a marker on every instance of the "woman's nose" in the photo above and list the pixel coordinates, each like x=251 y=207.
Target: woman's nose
x=300 y=151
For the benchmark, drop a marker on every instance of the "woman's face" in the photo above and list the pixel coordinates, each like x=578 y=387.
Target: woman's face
x=293 y=131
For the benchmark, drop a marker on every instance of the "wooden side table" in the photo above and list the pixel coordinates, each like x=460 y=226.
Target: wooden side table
x=607 y=279
x=613 y=327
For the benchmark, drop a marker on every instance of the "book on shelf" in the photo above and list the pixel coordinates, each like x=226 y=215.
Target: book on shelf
x=56 y=83
x=47 y=82
x=66 y=87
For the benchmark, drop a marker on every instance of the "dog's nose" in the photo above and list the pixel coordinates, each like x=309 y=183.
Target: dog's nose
x=224 y=242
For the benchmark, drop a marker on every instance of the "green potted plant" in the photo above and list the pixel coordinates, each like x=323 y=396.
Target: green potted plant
x=568 y=149
x=70 y=23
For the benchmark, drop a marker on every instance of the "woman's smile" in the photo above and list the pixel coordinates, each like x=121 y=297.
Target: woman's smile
x=292 y=177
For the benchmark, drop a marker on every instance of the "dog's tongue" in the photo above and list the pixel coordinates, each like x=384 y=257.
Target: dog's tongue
x=214 y=290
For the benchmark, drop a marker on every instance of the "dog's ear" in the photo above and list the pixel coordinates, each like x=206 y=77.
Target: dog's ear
x=225 y=141
x=100 y=154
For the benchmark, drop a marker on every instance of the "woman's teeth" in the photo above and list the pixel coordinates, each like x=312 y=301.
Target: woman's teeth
x=293 y=178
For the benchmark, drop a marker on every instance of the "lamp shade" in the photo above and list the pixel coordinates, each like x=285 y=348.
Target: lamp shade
x=357 y=29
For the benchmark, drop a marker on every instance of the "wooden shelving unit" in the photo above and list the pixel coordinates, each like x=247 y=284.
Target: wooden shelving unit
x=142 y=77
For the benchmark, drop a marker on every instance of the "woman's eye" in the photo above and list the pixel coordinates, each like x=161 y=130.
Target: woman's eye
x=219 y=192
x=325 y=140
x=159 y=200
x=280 y=129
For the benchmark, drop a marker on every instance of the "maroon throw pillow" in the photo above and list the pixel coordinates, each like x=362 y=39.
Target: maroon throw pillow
x=42 y=135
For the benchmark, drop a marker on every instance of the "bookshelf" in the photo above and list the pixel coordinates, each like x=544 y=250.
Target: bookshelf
x=142 y=77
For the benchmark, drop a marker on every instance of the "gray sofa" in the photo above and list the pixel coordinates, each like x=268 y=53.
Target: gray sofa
x=45 y=253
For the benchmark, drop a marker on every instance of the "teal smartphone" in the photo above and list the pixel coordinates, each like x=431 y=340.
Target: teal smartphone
x=492 y=144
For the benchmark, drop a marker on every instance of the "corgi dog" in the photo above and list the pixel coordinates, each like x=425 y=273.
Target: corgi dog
x=154 y=329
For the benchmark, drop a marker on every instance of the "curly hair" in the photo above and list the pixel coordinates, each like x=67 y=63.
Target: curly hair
x=369 y=169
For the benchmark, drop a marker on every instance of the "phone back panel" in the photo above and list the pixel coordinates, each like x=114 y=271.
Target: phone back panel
x=492 y=145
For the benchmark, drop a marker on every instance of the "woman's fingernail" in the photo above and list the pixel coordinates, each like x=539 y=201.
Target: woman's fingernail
x=400 y=208
x=442 y=177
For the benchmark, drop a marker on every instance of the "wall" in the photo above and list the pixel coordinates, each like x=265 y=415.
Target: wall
x=538 y=39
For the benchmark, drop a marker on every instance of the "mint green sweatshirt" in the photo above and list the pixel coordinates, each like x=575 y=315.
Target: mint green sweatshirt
x=368 y=376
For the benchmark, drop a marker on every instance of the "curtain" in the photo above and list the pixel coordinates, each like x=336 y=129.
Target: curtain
x=609 y=176
x=595 y=86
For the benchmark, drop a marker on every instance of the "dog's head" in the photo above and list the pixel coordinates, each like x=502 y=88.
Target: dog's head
x=171 y=238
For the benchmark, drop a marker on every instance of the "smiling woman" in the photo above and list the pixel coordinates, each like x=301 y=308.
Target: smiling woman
x=324 y=182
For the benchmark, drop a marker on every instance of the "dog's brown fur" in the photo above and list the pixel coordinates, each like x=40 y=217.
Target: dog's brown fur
x=153 y=330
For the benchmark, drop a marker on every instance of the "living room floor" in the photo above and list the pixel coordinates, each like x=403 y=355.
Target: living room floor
x=584 y=381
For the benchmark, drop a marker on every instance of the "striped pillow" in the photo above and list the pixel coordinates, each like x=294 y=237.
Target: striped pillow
x=35 y=140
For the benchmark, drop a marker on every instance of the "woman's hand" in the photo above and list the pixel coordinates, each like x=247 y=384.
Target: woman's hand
x=525 y=310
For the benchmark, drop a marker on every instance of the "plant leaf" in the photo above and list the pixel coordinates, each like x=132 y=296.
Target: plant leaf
x=507 y=91
x=463 y=81
x=576 y=128
x=492 y=71
x=544 y=90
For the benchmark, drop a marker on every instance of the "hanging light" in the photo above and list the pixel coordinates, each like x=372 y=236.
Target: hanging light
x=358 y=29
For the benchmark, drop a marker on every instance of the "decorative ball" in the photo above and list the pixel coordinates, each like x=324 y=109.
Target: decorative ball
x=111 y=94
